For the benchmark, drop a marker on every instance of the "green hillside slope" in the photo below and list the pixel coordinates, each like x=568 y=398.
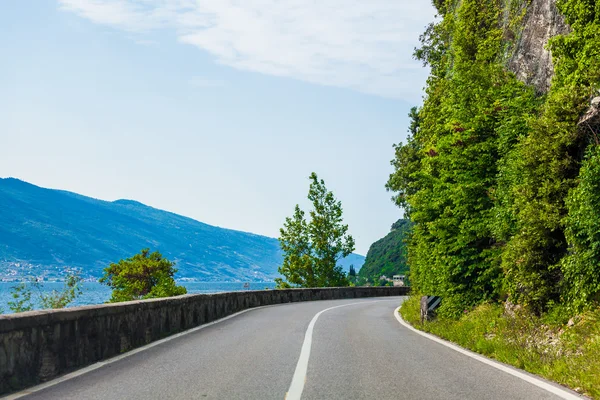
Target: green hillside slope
x=387 y=256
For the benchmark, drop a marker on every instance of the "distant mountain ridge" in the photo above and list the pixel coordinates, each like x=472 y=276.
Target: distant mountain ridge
x=50 y=229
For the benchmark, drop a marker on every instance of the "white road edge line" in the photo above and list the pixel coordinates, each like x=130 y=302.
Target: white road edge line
x=564 y=394
x=101 y=364
x=299 y=379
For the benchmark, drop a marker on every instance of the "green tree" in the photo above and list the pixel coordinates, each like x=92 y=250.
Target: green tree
x=493 y=174
x=145 y=275
x=446 y=175
x=548 y=162
x=581 y=266
x=352 y=275
x=352 y=271
x=313 y=248
x=21 y=295
x=407 y=164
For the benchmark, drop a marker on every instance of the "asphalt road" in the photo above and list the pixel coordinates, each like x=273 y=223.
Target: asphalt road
x=358 y=351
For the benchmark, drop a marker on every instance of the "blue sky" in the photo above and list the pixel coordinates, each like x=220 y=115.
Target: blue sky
x=214 y=109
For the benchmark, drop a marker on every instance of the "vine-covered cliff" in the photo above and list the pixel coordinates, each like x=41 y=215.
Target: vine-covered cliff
x=529 y=56
x=500 y=174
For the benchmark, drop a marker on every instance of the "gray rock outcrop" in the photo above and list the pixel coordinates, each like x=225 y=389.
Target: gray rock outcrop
x=531 y=60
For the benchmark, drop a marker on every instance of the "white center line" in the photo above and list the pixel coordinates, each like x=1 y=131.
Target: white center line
x=297 y=386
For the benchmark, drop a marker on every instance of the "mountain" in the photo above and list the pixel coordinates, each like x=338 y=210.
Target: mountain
x=387 y=256
x=44 y=230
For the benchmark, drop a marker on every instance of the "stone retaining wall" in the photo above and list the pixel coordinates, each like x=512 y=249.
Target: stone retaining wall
x=39 y=345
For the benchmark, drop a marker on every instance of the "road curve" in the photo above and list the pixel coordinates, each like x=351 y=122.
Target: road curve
x=358 y=351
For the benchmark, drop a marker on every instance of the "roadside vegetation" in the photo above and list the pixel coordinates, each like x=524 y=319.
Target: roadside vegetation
x=567 y=353
x=144 y=276
x=501 y=183
x=502 y=186
x=29 y=295
x=313 y=247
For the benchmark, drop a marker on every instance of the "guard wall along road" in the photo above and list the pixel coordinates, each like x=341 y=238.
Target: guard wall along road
x=39 y=345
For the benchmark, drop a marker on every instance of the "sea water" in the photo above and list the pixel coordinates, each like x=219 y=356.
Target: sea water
x=97 y=293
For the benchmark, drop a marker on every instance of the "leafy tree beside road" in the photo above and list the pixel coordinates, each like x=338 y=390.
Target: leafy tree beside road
x=144 y=276
x=312 y=248
x=501 y=184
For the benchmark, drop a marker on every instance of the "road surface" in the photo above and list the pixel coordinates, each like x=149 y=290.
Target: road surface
x=358 y=351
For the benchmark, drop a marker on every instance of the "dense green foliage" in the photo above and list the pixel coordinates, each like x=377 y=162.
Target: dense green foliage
x=490 y=173
x=144 y=276
x=387 y=256
x=567 y=354
x=581 y=267
x=53 y=228
x=313 y=248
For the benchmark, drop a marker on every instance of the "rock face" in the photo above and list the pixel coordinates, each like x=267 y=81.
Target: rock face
x=590 y=122
x=531 y=61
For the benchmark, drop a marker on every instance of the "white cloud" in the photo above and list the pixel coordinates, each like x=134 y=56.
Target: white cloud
x=365 y=45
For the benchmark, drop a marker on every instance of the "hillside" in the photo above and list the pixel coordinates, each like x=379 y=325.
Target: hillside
x=45 y=230
x=500 y=173
x=387 y=256
x=500 y=176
